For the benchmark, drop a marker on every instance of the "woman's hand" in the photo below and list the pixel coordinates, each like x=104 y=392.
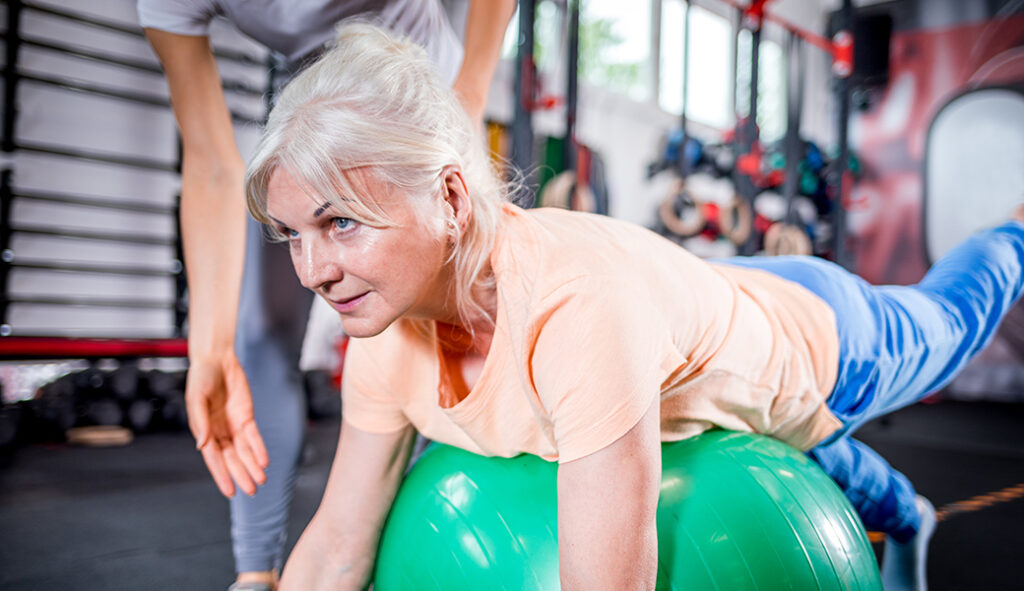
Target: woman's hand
x=220 y=416
x=607 y=507
x=339 y=547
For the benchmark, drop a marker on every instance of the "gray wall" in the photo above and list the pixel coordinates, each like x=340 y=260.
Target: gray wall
x=64 y=119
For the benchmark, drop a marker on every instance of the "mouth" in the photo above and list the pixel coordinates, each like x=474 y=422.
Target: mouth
x=348 y=304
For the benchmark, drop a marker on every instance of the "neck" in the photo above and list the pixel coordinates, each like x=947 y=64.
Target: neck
x=480 y=325
x=459 y=335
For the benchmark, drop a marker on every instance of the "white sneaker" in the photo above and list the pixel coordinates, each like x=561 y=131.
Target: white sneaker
x=904 y=565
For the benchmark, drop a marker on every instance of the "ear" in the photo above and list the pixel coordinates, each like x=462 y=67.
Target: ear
x=456 y=194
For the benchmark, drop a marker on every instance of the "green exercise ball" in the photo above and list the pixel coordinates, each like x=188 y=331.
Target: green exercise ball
x=737 y=511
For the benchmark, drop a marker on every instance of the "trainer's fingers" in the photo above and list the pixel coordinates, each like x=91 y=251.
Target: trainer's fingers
x=252 y=436
x=198 y=418
x=237 y=470
x=214 y=460
x=248 y=459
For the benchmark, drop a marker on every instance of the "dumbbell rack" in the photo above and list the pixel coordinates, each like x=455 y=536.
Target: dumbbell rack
x=137 y=306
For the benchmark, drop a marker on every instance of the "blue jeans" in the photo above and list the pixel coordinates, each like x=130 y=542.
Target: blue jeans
x=897 y=344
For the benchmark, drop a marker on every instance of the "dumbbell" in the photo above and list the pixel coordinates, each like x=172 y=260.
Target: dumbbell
x=130 y=386
x=96 y=402
x=53 y=410
x=168 y=393
x=138 y=415
x=10 y=425
x=124 y=381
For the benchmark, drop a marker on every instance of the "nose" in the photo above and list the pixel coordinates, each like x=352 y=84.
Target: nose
x=315 y=265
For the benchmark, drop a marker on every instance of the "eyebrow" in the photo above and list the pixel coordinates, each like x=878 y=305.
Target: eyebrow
x=320 y=210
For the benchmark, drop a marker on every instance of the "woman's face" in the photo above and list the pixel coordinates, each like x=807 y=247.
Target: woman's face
x=371 y=276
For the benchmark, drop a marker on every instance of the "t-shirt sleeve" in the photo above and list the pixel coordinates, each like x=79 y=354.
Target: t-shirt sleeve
x=184 y=17
x=367 y=400
x=598 y=363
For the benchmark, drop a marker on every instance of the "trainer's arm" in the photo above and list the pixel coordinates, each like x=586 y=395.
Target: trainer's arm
x=485 y=30
x=607 y=505
x=339 y=546
x=213 y=234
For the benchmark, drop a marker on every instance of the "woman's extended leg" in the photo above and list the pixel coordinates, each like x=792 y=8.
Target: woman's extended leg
x=928 y=332
x=900 y=343
x=897 y=345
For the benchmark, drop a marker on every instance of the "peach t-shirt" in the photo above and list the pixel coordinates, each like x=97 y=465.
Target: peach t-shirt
x=597 y=318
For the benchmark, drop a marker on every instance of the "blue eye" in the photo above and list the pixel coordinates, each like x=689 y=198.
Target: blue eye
x=291 y=233
x=343 y=223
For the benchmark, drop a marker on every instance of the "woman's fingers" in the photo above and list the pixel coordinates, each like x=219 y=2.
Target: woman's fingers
x=236 y=468
x=248 y=456
x=255 y=440
x=198 y=414
x=219 y=406
x=233 y=461
x=214 y=460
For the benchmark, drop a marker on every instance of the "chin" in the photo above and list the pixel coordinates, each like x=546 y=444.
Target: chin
x=363 y=328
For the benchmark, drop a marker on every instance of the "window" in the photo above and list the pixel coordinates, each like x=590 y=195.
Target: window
x=710 y=63
x=615 y=46
x=771 y=86
x=548 y=31
x=616 y=53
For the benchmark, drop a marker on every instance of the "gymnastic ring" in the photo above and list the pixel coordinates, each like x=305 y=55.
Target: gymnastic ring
x=565 y=192
x=556 y=191
x=785 y=239
x=582 y=199
x=738 y=231
x=675 y=222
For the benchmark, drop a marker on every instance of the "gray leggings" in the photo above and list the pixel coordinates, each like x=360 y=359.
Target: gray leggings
x=272 y=315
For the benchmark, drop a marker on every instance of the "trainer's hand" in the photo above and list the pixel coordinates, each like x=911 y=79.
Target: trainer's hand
x=220 y=416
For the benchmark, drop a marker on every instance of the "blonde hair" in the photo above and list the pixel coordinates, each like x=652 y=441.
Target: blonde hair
x=376 y=104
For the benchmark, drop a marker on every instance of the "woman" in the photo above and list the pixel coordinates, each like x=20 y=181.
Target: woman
x=574 y=337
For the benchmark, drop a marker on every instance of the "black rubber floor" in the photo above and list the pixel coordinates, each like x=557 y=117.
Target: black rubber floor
x=953 y=452
x=141 y=517
x=147 y=516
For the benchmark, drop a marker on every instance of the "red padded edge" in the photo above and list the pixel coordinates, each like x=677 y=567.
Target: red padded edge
x=71 y=348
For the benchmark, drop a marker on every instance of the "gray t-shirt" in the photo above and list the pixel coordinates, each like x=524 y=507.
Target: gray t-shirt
x=296 y=29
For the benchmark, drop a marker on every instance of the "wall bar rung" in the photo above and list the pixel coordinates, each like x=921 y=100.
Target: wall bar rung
x=99 y=269
x=134 y=206
x=93 y=235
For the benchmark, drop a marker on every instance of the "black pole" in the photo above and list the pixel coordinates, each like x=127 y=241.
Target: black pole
x=12 y=40
x=525 y=88
x=746 y=138
x=755 y=56
x=838 y=169
x=684 y=165
x=737 y=23
x=13 y=43
x=6 y=197
x=180 y=278
x=273 y=64
x=794 y=112
x=572 y=81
